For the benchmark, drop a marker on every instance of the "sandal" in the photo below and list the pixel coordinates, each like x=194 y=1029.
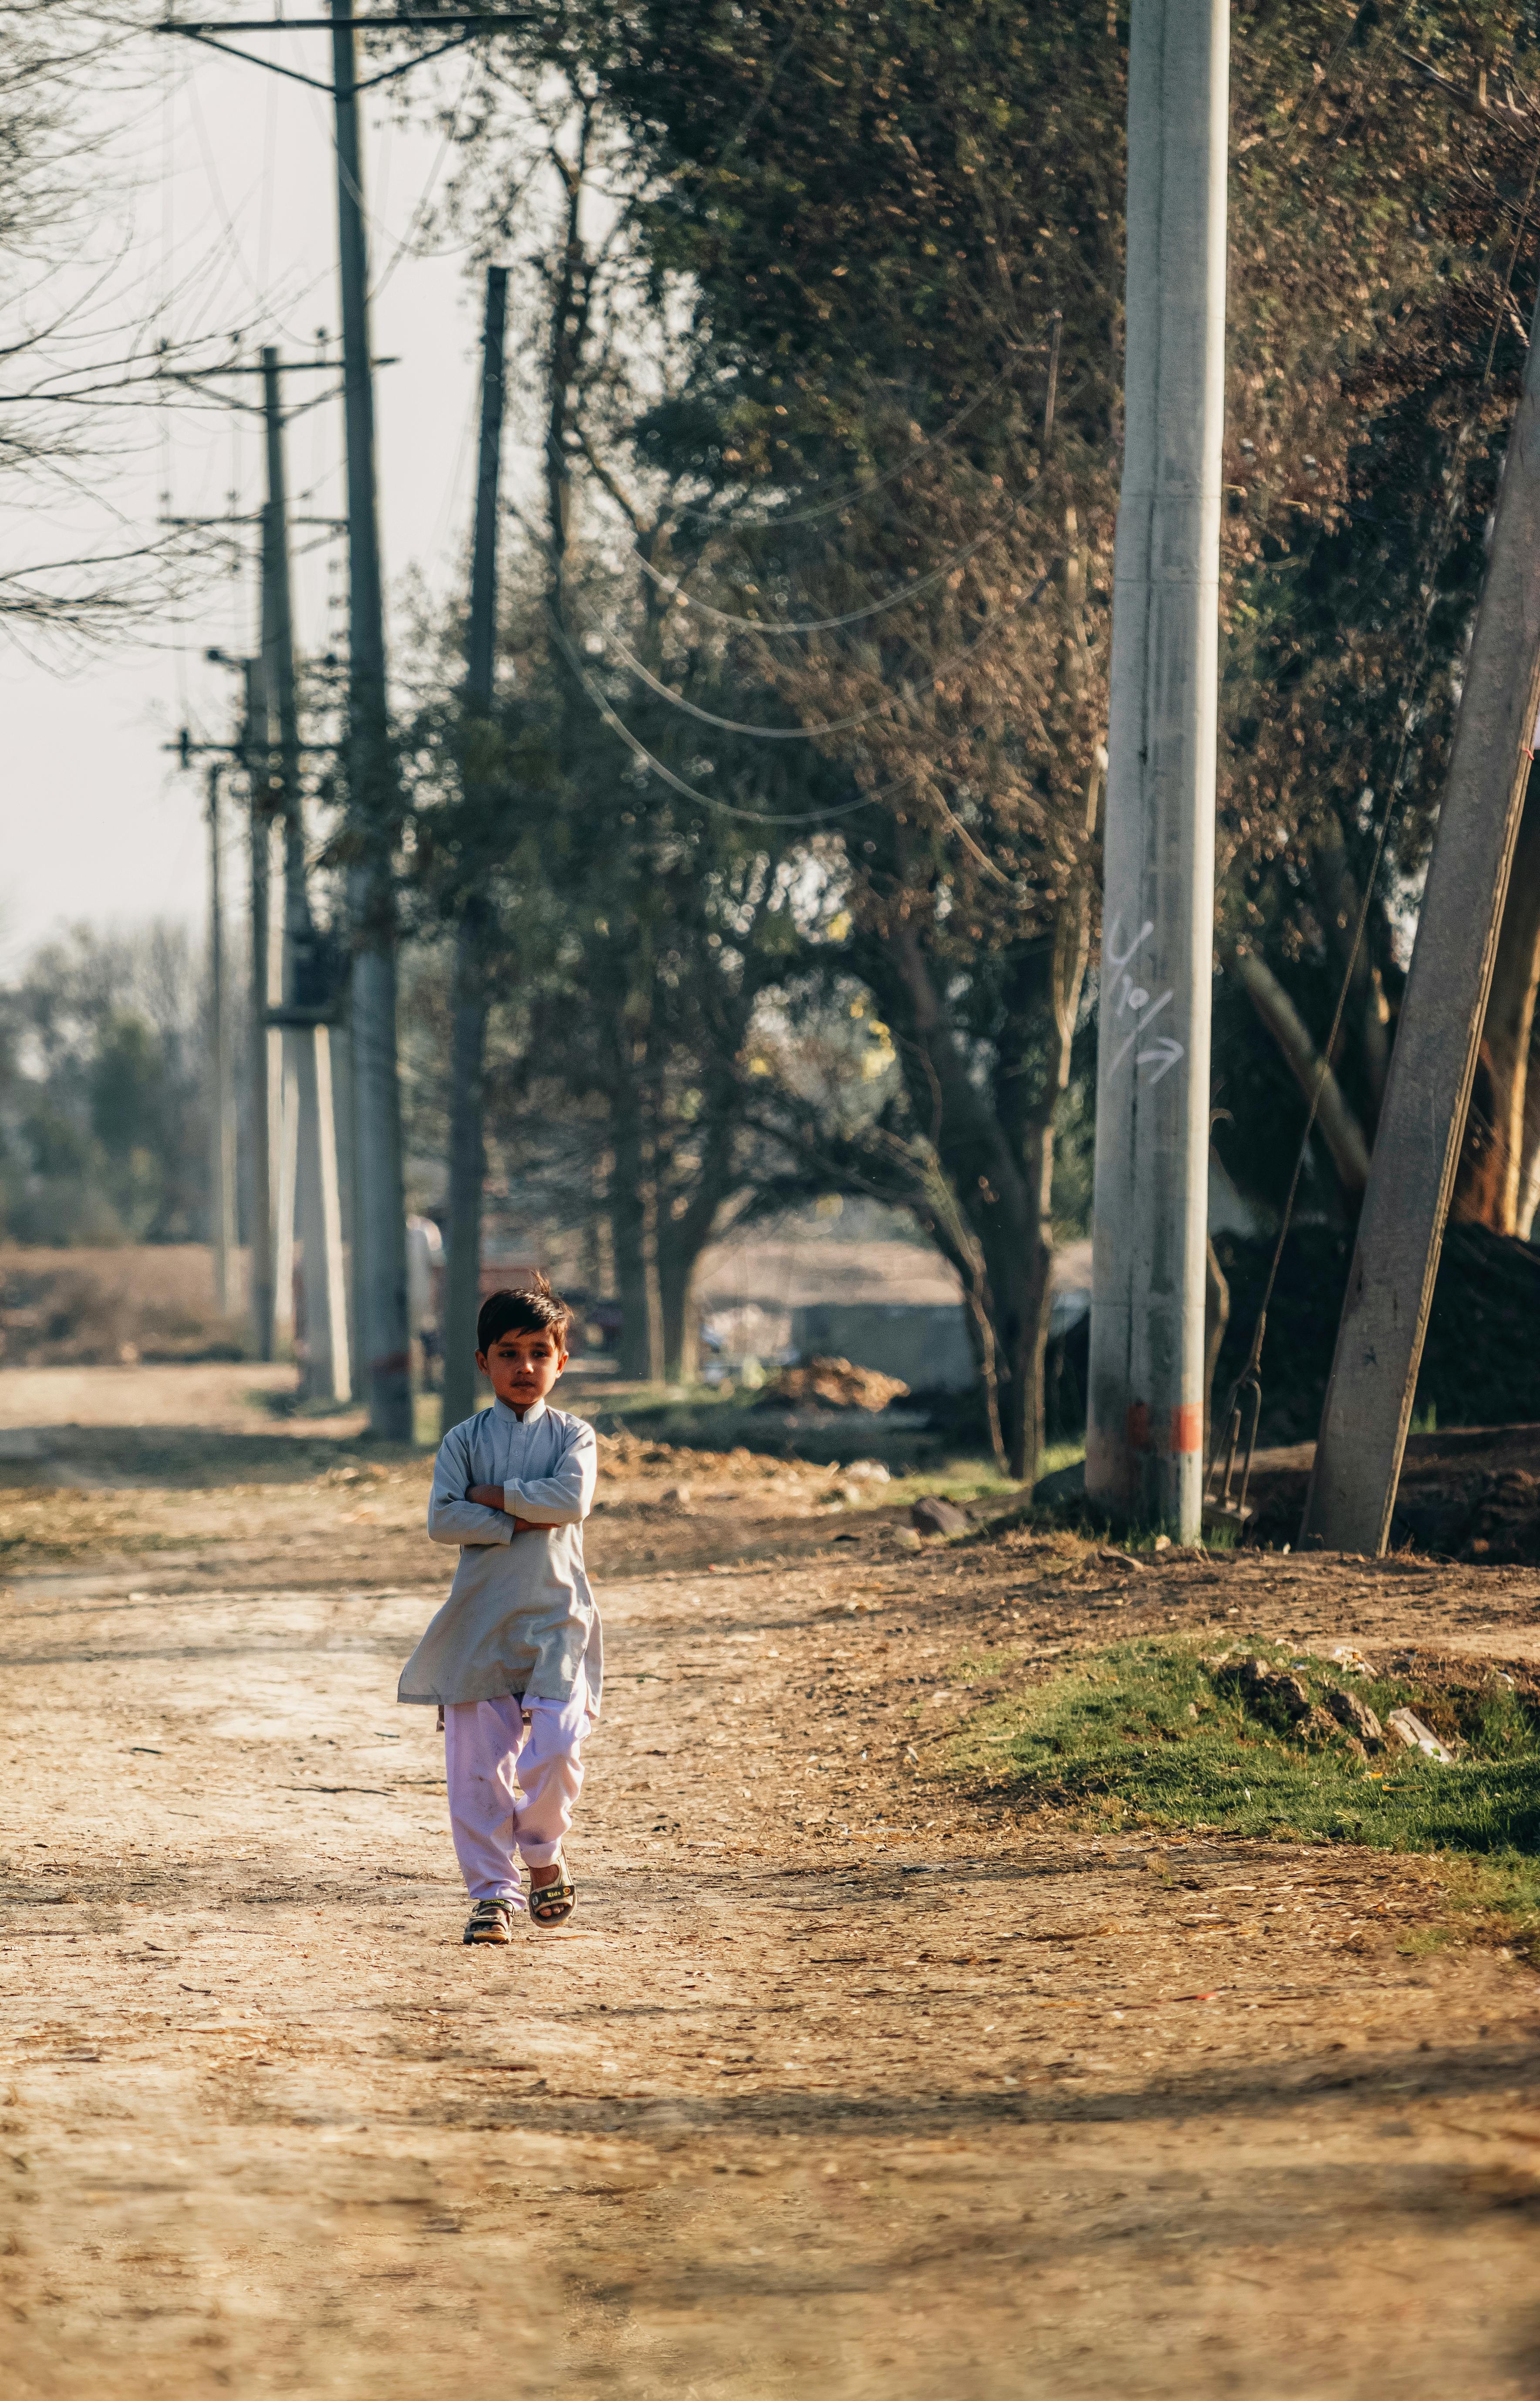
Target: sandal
x=553 y=1904
x=490 y=1921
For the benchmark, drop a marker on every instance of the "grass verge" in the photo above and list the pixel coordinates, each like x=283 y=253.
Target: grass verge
x=1155 y=1734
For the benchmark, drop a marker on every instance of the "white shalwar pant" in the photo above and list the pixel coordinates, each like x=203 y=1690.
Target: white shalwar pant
x=514 y=1771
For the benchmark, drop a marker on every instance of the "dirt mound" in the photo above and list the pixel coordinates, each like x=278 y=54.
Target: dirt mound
x=832 y=1384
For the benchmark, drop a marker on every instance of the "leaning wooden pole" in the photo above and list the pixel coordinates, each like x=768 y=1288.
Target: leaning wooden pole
x=1417 y=1148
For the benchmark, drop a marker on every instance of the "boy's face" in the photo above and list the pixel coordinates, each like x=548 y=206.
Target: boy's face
x=523 y=1366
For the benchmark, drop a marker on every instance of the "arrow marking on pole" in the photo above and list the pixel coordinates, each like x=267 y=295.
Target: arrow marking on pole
x=1167 y=1051
x=1130 y=1038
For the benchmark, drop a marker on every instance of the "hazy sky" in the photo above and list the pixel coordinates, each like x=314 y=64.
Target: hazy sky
x=232 y=224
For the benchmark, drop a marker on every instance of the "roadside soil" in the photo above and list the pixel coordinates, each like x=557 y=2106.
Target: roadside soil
x=849 y=2078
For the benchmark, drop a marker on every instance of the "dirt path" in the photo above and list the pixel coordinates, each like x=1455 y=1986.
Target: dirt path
x=845 y=2082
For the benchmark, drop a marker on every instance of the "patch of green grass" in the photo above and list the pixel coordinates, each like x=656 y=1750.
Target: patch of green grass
x=1148 y=1733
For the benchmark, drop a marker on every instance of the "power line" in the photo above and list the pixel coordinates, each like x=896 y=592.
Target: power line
x=835 y=725
x=677 y=592
x=708 y=799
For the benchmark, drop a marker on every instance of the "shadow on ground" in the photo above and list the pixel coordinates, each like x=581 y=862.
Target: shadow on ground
x=184 y=1456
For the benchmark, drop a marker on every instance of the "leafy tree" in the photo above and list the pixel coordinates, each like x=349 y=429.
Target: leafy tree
x=103 y=1126
x=882 y=259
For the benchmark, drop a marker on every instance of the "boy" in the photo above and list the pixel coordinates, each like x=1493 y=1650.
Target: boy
x=515 y=1656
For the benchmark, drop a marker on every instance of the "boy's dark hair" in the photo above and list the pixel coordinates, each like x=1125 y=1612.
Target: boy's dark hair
x=533 y=1311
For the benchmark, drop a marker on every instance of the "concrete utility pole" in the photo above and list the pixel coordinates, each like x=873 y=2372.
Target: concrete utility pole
x=380 y=1229
x=222 y=1114
x=467 y=1153
x=1422 y=1124
x=325 y=1371
x=266 y=1063
x=1143 y=1452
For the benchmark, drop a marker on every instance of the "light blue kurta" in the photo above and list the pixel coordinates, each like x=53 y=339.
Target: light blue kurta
x=521 y=1616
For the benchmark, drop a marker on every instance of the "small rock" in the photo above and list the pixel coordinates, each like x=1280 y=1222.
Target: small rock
x=931 y=1515
x=1354 y=1714
x=1411 y=1731
x=1162 y=1542
x=867 y=1471
x=906 y=1539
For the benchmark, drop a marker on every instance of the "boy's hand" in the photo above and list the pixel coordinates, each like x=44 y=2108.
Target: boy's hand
x=490 y=1496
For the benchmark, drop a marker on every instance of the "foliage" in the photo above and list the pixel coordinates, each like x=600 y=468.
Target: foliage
x=874 y=221
x=829 y=396
x=102 y=1115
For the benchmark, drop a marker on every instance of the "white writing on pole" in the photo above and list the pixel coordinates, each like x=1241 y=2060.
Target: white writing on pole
x=1134 y=999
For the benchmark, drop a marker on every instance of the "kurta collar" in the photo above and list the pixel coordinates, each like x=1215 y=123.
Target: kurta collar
x=532 y=1416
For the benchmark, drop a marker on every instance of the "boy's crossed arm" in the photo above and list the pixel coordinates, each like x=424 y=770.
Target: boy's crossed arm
x=490 y=1496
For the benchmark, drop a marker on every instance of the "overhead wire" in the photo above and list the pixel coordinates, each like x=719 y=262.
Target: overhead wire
x=419 y=212
x=656 y=766
x=860 y=486
x=813 y=730
x=799 y=628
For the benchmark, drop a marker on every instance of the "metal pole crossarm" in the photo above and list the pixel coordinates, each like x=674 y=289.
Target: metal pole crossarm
x=289 y=1019
x=206 y=35
x=291 y=367
x=185 y=751
x=430 y=21
x=338 y=525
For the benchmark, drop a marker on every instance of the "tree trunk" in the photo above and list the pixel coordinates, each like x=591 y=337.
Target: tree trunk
x=683 y=1237
x=1339 y=1128
x=467 y=1172
x=1032 y=1307
x=1529 y=1188
x=1490 y=1187
x=633 y=1219
x=680 y=1314
x=1366 y=1019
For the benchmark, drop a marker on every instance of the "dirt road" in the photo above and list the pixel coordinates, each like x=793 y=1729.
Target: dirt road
x=846 y=2081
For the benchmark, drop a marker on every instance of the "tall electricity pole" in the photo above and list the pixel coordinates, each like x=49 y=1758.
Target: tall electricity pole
x=265 y=1065
x=379 y=1227
x=325 y=1372
x=467 y=1155
x=222 y=1114
x=1143 y=1451
x=380 y=1215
